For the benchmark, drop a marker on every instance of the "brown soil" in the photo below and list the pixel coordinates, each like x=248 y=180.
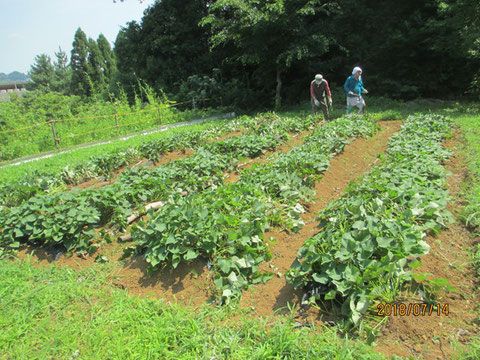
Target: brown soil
x=431 y=337
x=229 y=135
x=357 y=158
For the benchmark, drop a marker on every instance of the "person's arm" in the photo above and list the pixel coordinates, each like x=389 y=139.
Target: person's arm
x=312 y=92
x=327 y=89
x=362 y=88
x=345 y=86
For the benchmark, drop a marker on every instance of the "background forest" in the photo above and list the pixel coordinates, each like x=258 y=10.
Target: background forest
x=256 y=54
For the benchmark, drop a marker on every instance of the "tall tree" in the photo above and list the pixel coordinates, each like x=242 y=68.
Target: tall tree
x=109 y=66
x=271 y=34
x=168 y=46
x=95 y=67
x=63 y=75
x=81 y=82
x=129 y=50
x=42 y=73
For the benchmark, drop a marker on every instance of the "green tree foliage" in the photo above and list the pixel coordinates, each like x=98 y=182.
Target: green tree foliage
x=109 y=66
x=167 y=47
x=271 y=34
x=51 y=77
x=129 y=60
x=95 y=67
x=81 y=82
x=406 y=48
x=252 y=51
x=63 y=74
x=42 y=73
x=464 y=17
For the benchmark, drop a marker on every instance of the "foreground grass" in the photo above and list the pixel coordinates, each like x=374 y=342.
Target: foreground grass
x=469 y=124
x=71 y=158
x=57 y=313
x=470 y=127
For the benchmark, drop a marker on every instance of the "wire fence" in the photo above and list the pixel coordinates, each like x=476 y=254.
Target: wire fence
x=116 y=116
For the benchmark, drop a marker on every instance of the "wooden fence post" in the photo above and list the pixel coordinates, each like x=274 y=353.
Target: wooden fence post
x=194 y=103
x=54 y=133
x=116 y=122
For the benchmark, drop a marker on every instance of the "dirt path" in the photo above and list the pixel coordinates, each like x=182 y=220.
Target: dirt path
x=357 y=158
x=431 y=337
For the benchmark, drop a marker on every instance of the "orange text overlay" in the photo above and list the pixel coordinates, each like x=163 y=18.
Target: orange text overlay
x=413 y=309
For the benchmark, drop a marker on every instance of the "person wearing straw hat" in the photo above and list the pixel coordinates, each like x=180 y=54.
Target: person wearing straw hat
x=354 y=88
x=319 y=92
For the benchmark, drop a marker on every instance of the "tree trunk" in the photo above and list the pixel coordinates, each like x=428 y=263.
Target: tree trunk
x=278 y=94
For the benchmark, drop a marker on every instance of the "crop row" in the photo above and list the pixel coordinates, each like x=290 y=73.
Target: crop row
x=12 y=194
x=226 y=225
x=368 y=236
x=106 y=164
x=68 y=219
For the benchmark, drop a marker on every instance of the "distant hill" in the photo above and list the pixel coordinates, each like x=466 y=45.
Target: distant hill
x=15 y=76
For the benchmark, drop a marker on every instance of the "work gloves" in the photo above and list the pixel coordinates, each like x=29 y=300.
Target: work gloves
x=316 y=102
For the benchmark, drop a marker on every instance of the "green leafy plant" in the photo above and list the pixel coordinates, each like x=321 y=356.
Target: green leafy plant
x=370 y=232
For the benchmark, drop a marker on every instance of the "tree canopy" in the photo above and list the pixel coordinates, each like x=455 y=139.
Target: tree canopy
x=256 y=53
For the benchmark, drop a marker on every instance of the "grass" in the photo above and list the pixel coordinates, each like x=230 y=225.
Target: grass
x=469 y=124
x=58 y=313
x=71 y=158
x=26 y=122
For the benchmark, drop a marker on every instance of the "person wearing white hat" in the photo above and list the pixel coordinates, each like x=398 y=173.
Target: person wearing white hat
x=319 y=92
x=354 y=88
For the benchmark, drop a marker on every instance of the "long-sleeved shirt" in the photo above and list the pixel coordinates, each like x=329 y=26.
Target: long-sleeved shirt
x=318 y=91
x=354 y=85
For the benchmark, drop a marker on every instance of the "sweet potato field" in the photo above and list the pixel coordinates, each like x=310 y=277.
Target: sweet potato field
x=238 y=198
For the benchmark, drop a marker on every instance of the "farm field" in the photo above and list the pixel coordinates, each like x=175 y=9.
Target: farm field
x=269 y=236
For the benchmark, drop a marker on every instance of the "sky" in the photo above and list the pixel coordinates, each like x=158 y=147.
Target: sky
x=32 y=27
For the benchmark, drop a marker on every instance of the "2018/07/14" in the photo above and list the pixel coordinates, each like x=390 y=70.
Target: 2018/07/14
x=418 y=309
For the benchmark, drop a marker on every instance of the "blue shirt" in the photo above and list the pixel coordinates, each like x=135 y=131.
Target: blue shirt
x=354 y=85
